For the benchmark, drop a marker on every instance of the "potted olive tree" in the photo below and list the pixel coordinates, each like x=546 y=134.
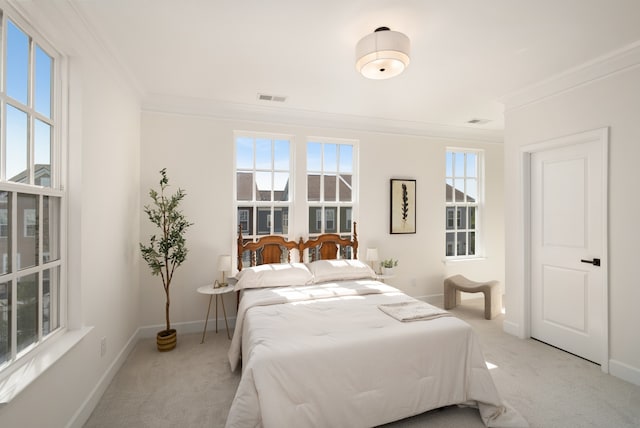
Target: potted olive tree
x=167 y=250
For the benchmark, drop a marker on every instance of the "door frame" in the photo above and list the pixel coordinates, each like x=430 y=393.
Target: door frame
x=600 y=135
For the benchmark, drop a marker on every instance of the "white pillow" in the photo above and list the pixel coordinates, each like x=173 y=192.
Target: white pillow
x=274 y=275
x=336 y=270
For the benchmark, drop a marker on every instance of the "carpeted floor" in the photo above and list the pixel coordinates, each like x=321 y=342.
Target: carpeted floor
x=192 y=386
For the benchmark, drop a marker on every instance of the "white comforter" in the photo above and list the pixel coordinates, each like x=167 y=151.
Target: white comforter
x=327 y=356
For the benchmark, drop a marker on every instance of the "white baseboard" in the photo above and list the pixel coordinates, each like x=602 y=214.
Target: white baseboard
x=512 y=328
x=624 y=372
x=185 y=327
x=434 y=299
x=83 y=413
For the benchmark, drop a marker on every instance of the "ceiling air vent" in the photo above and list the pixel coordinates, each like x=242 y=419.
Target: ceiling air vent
x=274 y=98
x=476 y=121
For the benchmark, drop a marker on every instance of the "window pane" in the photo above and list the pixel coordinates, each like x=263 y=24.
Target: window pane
x=42 y=154
x=264 y=221
x=330 y=219
x=5 y=232
x=472 y=218
x=281 y=221
x=330 y=188
x=450 y=220
x=43 y=75
x=459 y=164
x=17 y=67
x=313 y=187
x=50 y=300
x=459 y=190
x=344 y=188
x=244 y=186
x=281 y=151
x=314 y=157
x=16 y=145
x=244 y=153
x=5 y=321
x=27 y=230
x=50 y=228
x=263 y=186
x=263 y=153
x=461 y=221
x=346 y=158
x=450 y=244
x=472 y=190
x=461 y=248
x=281 y=186
x=472 y=243
x=449 y=165
x=330 y=158
x=472 y=164
x=315 y=220
x=449 y=190
x=245 y=219
x=346 y=219
x=27 y=307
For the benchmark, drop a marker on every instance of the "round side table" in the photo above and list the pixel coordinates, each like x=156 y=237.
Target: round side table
x=208 y=289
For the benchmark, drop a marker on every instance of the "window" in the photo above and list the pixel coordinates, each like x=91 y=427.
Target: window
x=463 y=202
x=263 y=169
x=31 y=195
x=264 y=186
x=331 y=195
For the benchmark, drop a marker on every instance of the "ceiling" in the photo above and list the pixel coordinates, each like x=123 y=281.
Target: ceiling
x=466 y=55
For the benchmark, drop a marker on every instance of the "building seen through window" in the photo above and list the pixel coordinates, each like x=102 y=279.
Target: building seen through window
x=462 y=202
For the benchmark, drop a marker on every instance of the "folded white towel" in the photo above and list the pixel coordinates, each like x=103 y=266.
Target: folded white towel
x=413 y=310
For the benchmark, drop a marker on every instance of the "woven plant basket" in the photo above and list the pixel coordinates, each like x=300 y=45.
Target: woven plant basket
x=166 y=340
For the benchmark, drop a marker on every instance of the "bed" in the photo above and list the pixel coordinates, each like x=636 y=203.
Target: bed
x=318 y=346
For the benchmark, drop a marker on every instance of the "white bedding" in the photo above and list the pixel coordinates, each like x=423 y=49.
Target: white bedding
x=325 y=356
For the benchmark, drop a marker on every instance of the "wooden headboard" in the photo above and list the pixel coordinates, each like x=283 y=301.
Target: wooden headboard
x=272 y=249
x=329 y=246
x=277 y=249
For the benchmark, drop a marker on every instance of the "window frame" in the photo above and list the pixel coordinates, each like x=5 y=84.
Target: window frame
x=255 y=203
x=456 y=210
x=327 y=206
x=54 y=188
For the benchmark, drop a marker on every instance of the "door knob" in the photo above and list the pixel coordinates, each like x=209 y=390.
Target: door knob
x=595 y=262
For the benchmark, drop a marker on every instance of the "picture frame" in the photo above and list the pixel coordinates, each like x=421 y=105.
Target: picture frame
x=402 y=218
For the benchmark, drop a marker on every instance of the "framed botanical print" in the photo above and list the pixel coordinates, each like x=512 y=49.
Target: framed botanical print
x=403 y=206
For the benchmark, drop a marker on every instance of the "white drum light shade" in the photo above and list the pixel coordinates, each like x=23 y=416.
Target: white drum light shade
x=382 y=54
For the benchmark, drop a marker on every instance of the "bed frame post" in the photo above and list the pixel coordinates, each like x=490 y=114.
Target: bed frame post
x=355 y=241
x=240 y=247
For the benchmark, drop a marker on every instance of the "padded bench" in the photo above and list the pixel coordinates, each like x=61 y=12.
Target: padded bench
x=491 y=289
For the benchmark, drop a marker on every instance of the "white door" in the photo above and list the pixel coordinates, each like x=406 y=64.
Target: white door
x=568 y=247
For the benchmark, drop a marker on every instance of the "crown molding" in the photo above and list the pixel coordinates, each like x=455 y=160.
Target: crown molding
x=617 y=61
x=68 y=30
x=161 y=103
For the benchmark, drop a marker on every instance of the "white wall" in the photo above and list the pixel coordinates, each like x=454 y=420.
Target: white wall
x=198 y=154
x=608 y=101
x=103 y=260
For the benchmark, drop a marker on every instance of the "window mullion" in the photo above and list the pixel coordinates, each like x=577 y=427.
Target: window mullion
x=13 y=335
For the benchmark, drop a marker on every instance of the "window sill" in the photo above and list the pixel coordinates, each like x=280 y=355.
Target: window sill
x=463 y=259
x=32 y=366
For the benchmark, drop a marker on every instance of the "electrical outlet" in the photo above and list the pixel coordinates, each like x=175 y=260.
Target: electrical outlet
x=103 y=346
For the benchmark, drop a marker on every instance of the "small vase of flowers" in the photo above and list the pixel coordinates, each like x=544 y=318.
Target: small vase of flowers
x=388 y=266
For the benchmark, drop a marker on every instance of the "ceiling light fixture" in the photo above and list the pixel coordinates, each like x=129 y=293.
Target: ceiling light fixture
x=382 y=54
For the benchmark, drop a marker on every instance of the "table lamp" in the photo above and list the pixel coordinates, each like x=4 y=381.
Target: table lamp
x=224 y=265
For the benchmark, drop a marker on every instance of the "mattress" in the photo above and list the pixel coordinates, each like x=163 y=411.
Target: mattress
x=325 y=355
